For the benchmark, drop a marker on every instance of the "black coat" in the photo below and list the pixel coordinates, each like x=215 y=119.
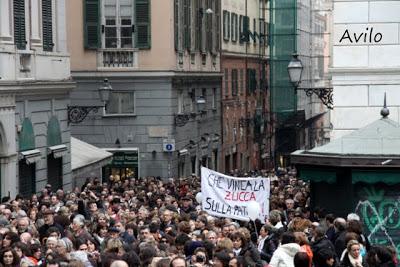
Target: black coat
x=251 y=256
x=319 y=245
x=346 y=261
x=270 y=245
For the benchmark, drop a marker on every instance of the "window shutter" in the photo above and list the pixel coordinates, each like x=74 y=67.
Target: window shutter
x=176 y=24
x=47 y=22
x=19 y=24
x=186 y=23
x=245 y=34
x=218 y=25
x=143 y=34
x=92 y=24
x=226 y=30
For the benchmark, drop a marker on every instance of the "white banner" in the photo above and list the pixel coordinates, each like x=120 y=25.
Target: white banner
x=227 y=196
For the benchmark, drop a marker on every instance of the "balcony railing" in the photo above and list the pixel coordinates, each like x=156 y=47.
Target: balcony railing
x=118 y=58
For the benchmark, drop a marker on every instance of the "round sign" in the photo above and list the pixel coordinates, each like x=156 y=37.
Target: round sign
x=168 y=147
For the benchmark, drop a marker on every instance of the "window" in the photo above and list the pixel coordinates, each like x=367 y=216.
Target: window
x=226 y=82
x=251 y=80
x=226 y=31
x=121 y=103
x=47 y=24
x=214 y=98
x=118 y=17
x=19 y=24
x=180 y=102
x=234 y=80
x=234 y=27
x=241 y=81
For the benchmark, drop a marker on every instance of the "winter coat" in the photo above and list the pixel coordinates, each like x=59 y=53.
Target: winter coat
x=346 y=261
x=270 y=245
x=318 y=246
x=284 y=255
x=251 y=256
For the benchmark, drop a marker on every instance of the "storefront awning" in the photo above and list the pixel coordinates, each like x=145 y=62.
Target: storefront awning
x=86 y=157
x=318 y=175
x=58 y=150
x=376 y=176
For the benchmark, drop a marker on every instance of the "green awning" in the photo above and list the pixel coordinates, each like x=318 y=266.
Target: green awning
x=318 y=175
x=376 y=176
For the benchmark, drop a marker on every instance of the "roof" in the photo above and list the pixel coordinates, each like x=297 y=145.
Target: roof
x=86 y=157
x=381 y=137
x=369 y=146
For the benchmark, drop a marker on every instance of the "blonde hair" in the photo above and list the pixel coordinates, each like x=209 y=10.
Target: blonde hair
x=114 y=244
x=352 y=243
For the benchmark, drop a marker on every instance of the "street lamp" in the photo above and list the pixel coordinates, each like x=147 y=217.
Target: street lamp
x=184 y=118
x=76 y=114
x=201 y=104
x=295 y=69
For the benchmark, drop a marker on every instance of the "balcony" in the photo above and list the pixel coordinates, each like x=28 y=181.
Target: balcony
x=118 y=58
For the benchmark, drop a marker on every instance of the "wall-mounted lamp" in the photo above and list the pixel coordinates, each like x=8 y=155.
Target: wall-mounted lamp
x=295 y=69
x=77 y=114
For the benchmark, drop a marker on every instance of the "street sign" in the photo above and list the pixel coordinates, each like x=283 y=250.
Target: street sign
x=169 y=145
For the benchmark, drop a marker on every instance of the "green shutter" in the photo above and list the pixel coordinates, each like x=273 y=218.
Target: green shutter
x=47 y=23
x=26 y=137
x=92 y=24
x=143 y=34
x=19 y=24
x=245 y=36
x=53 y=132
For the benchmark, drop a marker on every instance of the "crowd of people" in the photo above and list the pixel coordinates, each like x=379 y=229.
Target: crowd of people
x=158 y=223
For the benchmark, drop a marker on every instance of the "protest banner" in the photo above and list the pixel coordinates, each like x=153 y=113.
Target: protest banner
x=227 y=196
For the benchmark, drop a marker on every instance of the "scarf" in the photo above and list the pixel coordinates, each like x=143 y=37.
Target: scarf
x=355 y=262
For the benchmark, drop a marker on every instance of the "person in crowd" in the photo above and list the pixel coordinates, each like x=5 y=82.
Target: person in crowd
x=9 y=258
x=156 y=222
x=301 y=259
x=352 y=257
x=267 y=243
x=320 y=242
x=284 y=254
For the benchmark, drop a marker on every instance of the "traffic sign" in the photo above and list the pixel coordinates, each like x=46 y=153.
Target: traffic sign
x=169 y=145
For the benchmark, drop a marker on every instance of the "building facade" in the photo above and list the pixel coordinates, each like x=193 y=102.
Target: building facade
x=300 y=120
x=365 y=63
x=162 y=61
x=35 y=85
x=244 y=92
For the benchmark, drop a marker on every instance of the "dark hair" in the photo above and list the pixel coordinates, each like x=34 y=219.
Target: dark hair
x=26 y=251
x=224 y=257
x=16 y=258
x=239 y=235
x=301 y=259
x=288 y=237
x=14 y=237
x=330 y=217
x=181 y=239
